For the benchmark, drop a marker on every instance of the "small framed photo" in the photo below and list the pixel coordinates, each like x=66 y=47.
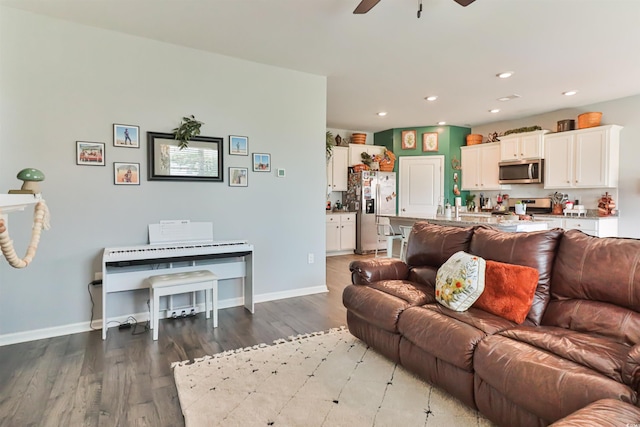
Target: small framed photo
x=430 y=141
x=409 y=139
x=261 y=162
x=126 y=173
x=90 y=153
x=238 y=177
x=126 y=136
x=238 y=145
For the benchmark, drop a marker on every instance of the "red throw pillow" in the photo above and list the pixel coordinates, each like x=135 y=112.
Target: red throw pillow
x=508 y=290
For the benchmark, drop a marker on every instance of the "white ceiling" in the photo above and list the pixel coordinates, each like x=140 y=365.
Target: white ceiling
x=389 y=60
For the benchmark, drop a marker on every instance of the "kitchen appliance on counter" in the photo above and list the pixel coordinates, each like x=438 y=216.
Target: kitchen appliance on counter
x=535 y=206
x=370 y=194
x=521 y=171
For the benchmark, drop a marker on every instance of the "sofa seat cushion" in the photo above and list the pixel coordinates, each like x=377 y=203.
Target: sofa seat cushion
x=382 y=302
x=449 y=335
x=540 y=382
x=603 y=413
x=595 y=352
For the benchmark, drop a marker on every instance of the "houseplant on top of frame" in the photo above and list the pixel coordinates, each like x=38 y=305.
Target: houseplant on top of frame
x=189 y=127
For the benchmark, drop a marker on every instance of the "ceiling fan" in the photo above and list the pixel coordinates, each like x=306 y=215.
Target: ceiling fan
x=366 y=5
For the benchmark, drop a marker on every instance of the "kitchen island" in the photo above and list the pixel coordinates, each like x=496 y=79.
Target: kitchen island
x=471 y=219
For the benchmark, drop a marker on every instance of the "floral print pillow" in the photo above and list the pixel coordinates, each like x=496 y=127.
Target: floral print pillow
x=460 y=281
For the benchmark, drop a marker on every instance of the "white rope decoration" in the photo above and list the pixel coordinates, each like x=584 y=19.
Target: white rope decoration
x=40 y=220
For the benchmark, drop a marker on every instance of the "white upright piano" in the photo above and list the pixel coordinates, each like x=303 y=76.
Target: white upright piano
x=176 y=248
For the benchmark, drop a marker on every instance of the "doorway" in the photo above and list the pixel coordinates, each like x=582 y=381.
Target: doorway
x=421 y=186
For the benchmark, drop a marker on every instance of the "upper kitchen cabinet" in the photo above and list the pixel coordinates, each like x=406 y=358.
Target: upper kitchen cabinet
x=585 y=158
x=337 y=169
x=355 y=152
x=480 y=166
x=522 y=146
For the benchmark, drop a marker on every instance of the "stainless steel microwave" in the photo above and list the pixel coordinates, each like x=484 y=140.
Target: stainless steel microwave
x=521 y=172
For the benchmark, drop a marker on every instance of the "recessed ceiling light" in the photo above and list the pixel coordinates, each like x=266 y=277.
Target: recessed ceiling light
x=505 y=75
x=431 y=98
x=382 y=113
x=509 y=98
x=495 y=110
x=442 y=123
x=570 y=92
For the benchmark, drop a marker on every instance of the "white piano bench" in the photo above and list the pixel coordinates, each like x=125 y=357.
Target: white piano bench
x=180 y=283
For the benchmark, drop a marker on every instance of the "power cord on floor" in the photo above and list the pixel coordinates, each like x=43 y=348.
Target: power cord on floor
x=131 y=321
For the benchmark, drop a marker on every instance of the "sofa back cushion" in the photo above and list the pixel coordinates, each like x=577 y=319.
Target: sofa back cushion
x=596 y=286
x=534 y=249
x=432 y=245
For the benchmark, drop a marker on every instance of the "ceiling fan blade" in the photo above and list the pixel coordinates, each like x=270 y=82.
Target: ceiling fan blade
x=464 y=3
x=366 y=5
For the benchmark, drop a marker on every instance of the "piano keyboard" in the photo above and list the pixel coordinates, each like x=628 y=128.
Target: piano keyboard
x=128 y=253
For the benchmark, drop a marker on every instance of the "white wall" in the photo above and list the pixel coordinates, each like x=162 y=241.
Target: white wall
x=622 y=112
x=62 y=82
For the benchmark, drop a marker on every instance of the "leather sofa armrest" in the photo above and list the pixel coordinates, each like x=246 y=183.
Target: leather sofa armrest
x=631 y=368
x=369 y=271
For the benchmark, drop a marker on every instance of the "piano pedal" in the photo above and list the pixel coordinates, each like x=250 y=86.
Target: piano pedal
x=183 y=314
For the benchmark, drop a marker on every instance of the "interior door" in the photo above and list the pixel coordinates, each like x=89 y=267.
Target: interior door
x=421 y=185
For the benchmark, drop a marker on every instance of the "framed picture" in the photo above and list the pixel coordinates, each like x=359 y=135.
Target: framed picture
x=261 y=162
x=408 y=139
x=200 y=161
x=238 y=145
x=238 y=177
x=430 y=141
x=126 y=136
x=126 y=173
x=90 y=153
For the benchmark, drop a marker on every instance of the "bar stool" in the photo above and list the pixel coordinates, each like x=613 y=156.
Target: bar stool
x=386 y=234
x=405 y=232
x=180 y=283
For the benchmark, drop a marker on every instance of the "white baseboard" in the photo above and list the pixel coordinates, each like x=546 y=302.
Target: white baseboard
x=74 y=328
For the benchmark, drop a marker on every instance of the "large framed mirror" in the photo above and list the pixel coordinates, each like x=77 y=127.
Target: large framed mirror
x=200 y=161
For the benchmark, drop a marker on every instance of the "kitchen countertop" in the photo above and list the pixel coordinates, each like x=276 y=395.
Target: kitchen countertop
x=471 y=219
x=339 y=212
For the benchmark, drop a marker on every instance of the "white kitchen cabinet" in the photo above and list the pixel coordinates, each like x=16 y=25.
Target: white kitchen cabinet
x=600 y=227
x=522 y=146
x=585 y=158
x=341 y=232
x=337 y=169
x=479 y=165
x=355 y=152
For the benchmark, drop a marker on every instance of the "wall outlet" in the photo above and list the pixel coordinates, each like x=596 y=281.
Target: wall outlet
x=310 y=258
x=97 y=275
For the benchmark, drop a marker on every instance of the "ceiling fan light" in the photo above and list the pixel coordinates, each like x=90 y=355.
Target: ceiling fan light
x=431 y=98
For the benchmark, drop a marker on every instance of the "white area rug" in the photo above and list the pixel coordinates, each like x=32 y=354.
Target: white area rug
x=321 y=379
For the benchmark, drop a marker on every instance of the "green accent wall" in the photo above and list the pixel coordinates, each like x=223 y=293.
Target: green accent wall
x=450 y=139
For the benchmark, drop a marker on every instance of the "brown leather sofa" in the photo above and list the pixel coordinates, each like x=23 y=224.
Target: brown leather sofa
x=578 y=344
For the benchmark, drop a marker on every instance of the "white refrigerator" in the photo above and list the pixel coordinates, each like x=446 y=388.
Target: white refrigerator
x=370 y=194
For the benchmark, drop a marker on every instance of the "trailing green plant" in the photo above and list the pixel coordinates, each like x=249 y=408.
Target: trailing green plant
x=522 y=130
x=189 y=127
x=329 y=146
x=366 y=158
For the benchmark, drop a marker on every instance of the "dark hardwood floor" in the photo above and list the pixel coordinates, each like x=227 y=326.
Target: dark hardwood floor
x=80 y=380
